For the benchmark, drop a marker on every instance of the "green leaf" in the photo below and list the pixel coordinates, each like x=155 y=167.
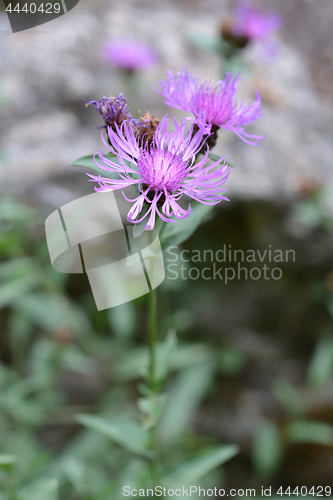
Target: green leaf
x=188 y=391
x=42 y=490
x=190 y=355
x=176 y=233
x=289 y=397
x=76 y=361
x=133 y=364
x=152 y=407
x=12 y=210
x=304 y=431
x=128 y=434
x=89 y=162
x=164 y=355
x=267 y=450
x=7 y=461
x=214 y=157
x=205 y=42
x=195 y=468
x=14 y=290
x=52 y=312
x=139 y=228
x=17 y=268
x=231 y=361
x=308 y=214
x=234 y=64
x=22 y=411
x=123 y=320
x=133 y=474
x=321 y=365
x=75 y=471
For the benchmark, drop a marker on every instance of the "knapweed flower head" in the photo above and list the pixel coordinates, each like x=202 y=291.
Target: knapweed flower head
x=114 y=110
x=212 y=104
x=163 y=171
x=253 y=24
x=130 y=55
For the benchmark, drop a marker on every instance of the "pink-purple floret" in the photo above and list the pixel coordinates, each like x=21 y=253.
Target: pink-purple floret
x=163 y=171
x=212 y=104
x=174 y=163
x=131 y=55
x=254 y=24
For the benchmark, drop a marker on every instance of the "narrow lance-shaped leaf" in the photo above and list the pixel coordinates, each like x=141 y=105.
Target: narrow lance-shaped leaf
x=89 y=162
x=188 y=391
x=177 y=233
x=12 y=291
x=7 y=461
x=321 y=365
x=164 y=355
x=42 y=490
x=304 y=431
x=152 y=408
x=128 y=434
x=214 y=157
x=195 y=468
x=205 y=42
x=267 y=449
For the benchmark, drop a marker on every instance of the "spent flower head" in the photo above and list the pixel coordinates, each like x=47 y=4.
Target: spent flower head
x=212 y=103
x=114 y=110
x=163 y=170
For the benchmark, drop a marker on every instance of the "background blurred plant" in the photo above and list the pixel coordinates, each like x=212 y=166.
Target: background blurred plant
x=129 y=55
x=248 y=25
x=47 y=341
x=59 y=368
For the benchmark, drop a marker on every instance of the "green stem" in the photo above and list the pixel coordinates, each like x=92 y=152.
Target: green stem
x=152 y=338
x=162 y=230
x=154 y=386
x=155 y=462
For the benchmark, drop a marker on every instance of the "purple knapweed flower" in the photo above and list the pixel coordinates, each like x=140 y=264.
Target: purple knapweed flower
x=163 y=171
x=130 y=55
x=114 y=110
x=212 y=104
x=253 y=24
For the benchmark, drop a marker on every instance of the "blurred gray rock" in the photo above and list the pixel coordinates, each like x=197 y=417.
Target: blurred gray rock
x=46 y=71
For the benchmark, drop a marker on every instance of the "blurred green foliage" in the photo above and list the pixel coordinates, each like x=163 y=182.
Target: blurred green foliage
x=46 y=335
x=74 y=412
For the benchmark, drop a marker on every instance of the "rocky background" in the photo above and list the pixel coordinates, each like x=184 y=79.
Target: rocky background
x=47 y=71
